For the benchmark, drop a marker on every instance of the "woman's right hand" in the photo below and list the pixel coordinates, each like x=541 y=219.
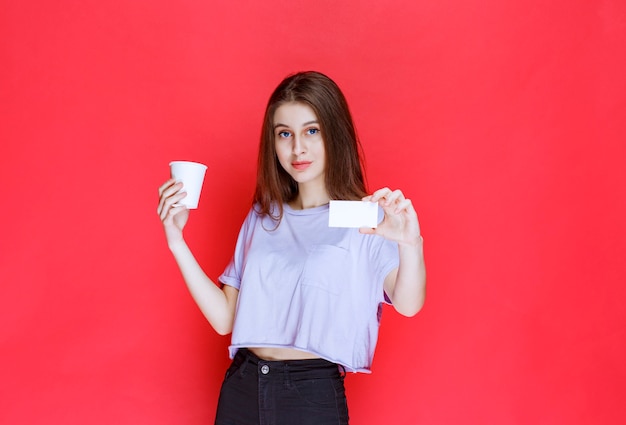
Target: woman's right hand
x=173 y=216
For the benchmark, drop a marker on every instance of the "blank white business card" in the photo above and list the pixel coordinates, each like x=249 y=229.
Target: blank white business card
x=353 y=214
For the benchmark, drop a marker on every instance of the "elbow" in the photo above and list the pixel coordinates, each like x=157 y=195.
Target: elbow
x=223 y=330
x=408 y=296
x=412 y=310
x=222 y=325
x=412 y=307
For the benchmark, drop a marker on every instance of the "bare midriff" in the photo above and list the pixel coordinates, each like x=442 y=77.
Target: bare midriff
x=273 y=353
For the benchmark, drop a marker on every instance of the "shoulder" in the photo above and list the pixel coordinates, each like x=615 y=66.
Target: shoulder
x=256 y=217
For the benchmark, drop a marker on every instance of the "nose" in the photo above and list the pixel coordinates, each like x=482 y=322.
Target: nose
x=298 y=145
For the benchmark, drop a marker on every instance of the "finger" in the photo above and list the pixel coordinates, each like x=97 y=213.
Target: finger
x=170 y=203
x=403 y=205
x=165 y=185
x=172 y=189
x=176 y=209
x=380 y=193
x=173 y=201
x=171 y=215
x=394 y=197
x=167 y=193
x=367 y=230
x=162 y=189
x=390 y=198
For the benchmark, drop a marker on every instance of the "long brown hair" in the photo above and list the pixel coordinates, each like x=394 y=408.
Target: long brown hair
x=344 y=175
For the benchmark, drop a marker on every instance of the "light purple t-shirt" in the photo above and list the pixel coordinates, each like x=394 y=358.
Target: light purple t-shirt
x=308 y=286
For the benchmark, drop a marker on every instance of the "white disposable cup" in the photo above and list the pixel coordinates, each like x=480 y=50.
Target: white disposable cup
x=191 y=174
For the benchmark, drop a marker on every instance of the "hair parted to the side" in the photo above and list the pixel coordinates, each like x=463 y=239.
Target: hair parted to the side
x=344 y=168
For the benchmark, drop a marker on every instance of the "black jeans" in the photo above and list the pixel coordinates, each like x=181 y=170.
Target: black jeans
x=294 y=392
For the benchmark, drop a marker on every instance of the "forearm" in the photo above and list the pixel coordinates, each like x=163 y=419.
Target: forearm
x=212 y=301
x=409 y=290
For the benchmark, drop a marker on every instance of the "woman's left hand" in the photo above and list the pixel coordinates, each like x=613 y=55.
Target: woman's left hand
x=400 y=223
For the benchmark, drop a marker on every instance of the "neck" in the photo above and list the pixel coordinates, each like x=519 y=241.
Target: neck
x=309 y=197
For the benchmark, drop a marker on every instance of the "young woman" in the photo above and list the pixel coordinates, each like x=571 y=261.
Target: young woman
x=303 y=300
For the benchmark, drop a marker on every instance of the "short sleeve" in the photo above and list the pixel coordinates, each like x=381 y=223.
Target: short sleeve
x=234 y=270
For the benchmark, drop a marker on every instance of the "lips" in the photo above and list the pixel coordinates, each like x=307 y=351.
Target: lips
x=301 y=165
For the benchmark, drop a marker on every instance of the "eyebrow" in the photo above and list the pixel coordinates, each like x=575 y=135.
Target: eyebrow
x=304 y=125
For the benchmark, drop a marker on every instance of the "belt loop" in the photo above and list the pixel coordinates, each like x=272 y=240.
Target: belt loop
x=246 y=360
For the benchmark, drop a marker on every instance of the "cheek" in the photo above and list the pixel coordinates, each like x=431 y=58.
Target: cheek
x=321 y=151
x=282 y=154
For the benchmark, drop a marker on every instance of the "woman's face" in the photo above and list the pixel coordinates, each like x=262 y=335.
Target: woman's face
x=299 y=144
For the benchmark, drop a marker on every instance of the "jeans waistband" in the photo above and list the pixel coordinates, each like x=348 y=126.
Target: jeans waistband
x=311 y=367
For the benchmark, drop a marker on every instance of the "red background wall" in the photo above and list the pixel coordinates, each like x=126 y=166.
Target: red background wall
x=503 y=121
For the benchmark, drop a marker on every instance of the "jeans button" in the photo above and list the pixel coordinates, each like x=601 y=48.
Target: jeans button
x=265 y=369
